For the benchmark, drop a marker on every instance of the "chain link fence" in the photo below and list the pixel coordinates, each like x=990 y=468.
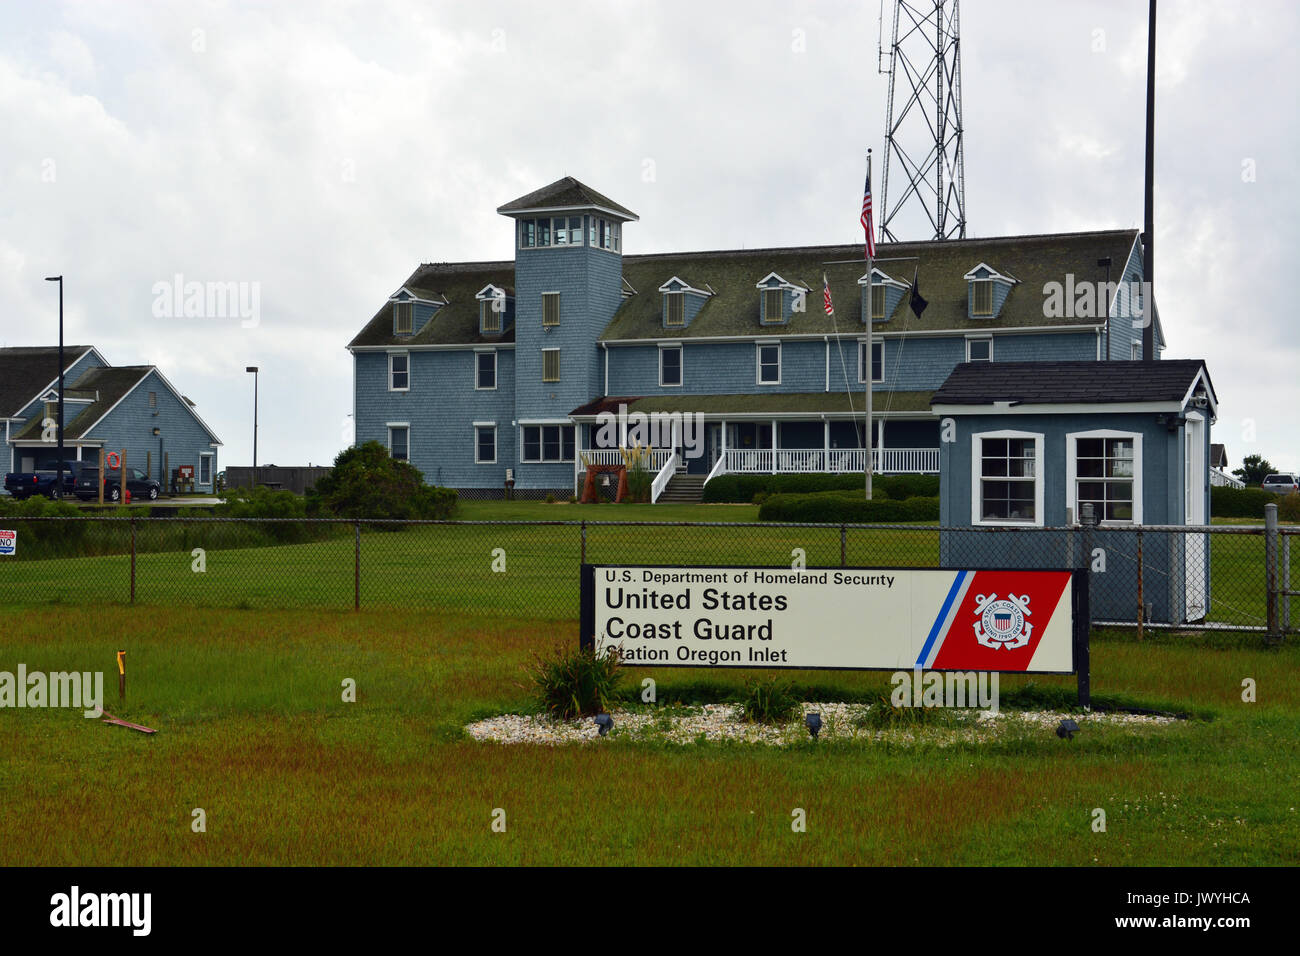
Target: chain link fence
x=1219 y=577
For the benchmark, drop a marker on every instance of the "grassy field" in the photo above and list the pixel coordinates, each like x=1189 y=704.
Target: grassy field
x=252 y=729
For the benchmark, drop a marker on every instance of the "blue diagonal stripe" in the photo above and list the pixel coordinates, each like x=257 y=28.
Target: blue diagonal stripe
x=943 y=616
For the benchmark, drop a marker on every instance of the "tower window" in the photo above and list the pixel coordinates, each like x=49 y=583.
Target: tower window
x=550 y=309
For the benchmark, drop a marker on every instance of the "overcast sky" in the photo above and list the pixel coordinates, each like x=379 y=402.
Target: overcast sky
x=319 y=152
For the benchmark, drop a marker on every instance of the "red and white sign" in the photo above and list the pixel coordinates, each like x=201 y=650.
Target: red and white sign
x=8 y=542
x=842 y=618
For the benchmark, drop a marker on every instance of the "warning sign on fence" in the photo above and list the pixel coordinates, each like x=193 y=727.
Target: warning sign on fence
x=8 y=542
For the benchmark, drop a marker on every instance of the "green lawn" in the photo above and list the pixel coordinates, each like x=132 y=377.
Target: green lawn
x=252 y=729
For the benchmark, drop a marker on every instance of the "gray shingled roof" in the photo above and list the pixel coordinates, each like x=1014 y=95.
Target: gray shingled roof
x=453 y=324
x=566 y=193
x=24 y=371
x=940 y=266
x=733 y=274
x=110 y=383
x=1050 y=383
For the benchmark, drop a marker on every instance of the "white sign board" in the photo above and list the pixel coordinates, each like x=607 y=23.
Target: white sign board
x=842 y=618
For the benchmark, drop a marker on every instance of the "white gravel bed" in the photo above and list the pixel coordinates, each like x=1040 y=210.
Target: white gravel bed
x=721 y=722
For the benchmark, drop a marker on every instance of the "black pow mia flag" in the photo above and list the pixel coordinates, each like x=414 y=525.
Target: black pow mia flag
x=918 y=304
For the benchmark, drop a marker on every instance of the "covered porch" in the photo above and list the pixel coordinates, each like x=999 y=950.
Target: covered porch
x=800 y=433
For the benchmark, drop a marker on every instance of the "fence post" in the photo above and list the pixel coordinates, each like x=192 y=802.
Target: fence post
x=1270 y=570
x=583 y=559
x=1142 y=608
x=356 y=568
x=844 y=546
x=132 y=560
x=1088 y=521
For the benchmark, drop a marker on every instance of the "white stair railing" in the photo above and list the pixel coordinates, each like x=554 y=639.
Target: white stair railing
x=661 y=480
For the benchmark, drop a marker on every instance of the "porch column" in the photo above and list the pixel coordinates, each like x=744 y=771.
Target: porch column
x=881 y=444
x=774 y=446
x=826 y=444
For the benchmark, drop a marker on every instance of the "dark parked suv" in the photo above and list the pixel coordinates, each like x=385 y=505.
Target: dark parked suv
x=137 y=482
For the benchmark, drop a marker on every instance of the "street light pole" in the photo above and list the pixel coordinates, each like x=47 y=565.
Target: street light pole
x=253 y=369
x=58 y=467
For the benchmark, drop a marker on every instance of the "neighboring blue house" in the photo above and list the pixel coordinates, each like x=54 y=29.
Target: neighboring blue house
x=1027 y=444
x=111 y=407
x=472 y=370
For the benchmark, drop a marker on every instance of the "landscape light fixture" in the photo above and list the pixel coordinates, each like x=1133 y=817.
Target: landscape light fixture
x=605 y=723
x=1067 y=729
x=814 y=722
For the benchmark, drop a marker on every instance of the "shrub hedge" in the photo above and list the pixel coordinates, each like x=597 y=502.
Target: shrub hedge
x=1228 y=502
x=744 y=488
x=837 y=507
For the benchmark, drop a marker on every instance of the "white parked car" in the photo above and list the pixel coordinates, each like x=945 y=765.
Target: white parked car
x=1281 y=484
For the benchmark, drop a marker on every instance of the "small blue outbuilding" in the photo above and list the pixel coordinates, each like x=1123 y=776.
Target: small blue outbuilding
x=1025 y=445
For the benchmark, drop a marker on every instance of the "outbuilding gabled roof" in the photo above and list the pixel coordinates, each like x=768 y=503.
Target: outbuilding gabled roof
x=1070 y=383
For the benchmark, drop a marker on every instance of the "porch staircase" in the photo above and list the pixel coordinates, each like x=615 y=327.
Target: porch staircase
x=683 y=489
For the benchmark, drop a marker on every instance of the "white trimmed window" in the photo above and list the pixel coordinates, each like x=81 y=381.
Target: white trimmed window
x=981 y=297
x=670 y=365
x=399 y=371
x=979 y=350
x=547 y=443
x=768 y=357
x=485 y=370
x=877 y=362
x=550 y=365
x=205 y=468
x=1135 y=351
x=1007 y=478
x=485 y=444
x=550 y=309
x=1104 y=468
x=399 y=440
x=877 y=301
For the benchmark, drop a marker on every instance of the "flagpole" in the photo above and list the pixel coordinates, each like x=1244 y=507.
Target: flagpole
x=870 y=344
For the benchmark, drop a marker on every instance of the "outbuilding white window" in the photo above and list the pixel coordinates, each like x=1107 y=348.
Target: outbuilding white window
x=1007 y=478
x=979 y=350
x=485 y=444
x=485 y=370
x=1104 y=468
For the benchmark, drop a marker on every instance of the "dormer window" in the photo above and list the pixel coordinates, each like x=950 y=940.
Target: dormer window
x=674 y=309
x=489 y=315
x=881 y=295
x=773 y=306
x=495 y=309
x=877 y=302
x=987 y=290
x=403 y=318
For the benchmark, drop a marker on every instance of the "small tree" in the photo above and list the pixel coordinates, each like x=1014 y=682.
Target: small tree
x=1254 y=469
x=366 y=482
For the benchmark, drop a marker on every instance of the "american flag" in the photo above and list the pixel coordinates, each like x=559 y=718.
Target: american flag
x=826 y=295
x=866 y=218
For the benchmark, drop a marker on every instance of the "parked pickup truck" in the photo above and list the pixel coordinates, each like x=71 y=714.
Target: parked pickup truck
x=138 y=484
x=24 y=484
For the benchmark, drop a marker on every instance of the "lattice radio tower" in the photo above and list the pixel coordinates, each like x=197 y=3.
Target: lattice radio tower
x=923 y=131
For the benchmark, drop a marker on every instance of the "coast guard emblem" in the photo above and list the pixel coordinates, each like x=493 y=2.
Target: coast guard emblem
x=1002 y=623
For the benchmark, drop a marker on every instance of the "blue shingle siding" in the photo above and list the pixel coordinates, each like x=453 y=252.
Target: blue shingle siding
x=130 y=425
x=441 y=406
x=1114 y=596
x=1045 y=347
x=589 y=282
x=1125 y=328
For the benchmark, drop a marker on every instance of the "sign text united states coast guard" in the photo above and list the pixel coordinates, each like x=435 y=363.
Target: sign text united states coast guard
x=842 y=618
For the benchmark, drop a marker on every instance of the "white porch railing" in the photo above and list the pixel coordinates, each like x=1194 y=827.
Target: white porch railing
x=1223 y=479
x=921 y=461
x=661 y=480
x=613 y=456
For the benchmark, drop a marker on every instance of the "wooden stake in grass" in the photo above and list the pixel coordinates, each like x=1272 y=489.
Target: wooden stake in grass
x=121 y=675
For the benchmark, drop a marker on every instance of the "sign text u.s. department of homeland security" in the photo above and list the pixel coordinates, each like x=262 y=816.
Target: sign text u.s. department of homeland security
x=844 y=618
